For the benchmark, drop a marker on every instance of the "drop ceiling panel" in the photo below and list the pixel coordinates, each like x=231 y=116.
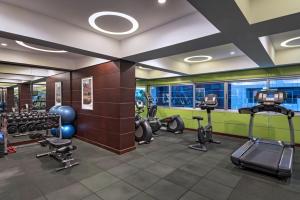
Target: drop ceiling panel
x=257 y=11
x=148 y=12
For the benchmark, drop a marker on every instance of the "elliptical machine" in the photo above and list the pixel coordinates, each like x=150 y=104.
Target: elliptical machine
x=205 y=133
x=143 y=131
x=172 y=123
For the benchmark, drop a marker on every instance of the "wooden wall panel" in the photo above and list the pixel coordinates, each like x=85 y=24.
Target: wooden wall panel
x=65 y=78
x=10 y=99
x=111 y=123
x=25 y=95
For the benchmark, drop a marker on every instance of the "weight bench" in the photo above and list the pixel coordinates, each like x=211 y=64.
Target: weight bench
x=61 y=150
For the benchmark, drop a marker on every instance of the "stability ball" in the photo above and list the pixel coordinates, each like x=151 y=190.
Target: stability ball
x=54 y=132
x=67 y=114
x=67 y=131
x=54 y=109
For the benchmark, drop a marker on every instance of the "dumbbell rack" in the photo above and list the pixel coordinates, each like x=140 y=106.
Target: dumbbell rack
x=27 y=121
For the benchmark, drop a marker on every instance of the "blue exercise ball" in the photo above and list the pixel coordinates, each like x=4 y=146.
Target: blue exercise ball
x=54 y=110
x=67 y=131
x=67 y=114
x=54 y=132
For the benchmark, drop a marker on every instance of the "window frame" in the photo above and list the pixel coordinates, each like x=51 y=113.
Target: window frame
x=226 y=89
x=181 y=84
x=163 y=85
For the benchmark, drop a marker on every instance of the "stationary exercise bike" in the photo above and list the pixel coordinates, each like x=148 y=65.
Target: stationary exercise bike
x=205 y=133
x=172 y=123
x=143 y=131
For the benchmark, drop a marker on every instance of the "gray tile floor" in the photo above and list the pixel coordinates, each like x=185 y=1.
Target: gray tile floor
x=165 y=169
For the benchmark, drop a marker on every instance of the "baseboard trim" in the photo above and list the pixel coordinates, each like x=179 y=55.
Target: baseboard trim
x=230 y=135
x=22 y=142
x=117 y=151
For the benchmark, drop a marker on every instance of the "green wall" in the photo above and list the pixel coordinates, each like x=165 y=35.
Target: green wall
x=267 y=126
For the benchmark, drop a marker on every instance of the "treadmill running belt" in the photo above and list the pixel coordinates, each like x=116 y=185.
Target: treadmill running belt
x=263 y=155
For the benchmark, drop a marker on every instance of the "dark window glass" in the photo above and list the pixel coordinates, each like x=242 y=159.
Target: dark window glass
x=242 y=94
x=203 y=89
x=139 y=94
x=292 y=88
x=160 y=95
x=182 y=96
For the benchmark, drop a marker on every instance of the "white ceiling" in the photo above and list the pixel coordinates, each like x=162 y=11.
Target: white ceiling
x=257 y=11
x=148 y=13
x=12 y=45
x=217 y=53
x=281 y=37
x=167 y=34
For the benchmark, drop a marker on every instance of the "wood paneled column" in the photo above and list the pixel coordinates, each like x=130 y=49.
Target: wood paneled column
x=25 y=95
x=111 y=123
x=10 y=102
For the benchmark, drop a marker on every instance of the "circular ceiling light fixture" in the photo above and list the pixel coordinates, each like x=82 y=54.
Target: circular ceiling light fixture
x=285 y=43
x=3 y=44
x=232 y=52
x=93 y=17
x=162 y=1
x=194 y=59
x=38 y=49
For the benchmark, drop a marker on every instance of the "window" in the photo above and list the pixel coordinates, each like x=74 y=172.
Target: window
x=139 y=94
x=160 y=95
x=203 y=89
x=182 y=96
x=292 y=88
x=242 y=94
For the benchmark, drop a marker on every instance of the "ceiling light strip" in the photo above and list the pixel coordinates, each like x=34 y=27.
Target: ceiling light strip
x=206 y=58
x=93 y=17
x=38 y=49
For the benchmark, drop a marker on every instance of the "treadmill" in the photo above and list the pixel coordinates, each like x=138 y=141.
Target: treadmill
x=269 y=156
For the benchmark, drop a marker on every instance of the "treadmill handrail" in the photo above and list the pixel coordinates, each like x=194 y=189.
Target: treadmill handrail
x=267 y=108
x=270 y=108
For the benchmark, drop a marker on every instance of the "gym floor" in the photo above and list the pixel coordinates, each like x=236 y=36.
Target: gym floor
x=165 y=169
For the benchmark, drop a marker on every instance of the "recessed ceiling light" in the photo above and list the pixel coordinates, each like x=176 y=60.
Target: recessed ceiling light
x=93 y=17
x=38 y=49
x=232 y=52
x=192 y=59
x=285 y=43
x=162 y=1
x=3 y=44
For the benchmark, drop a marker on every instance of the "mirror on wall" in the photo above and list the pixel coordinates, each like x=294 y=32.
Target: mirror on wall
x=16 y=99
x=39 y=96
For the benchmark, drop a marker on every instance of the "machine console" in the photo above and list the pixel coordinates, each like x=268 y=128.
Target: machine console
x=270 y=97
x=210 y=102
x=139 y=104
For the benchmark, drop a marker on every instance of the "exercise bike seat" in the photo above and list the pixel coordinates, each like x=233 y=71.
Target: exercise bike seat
x=198 y=117
x=58 y=143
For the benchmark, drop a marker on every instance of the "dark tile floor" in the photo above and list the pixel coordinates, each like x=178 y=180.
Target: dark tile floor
x=165 y=169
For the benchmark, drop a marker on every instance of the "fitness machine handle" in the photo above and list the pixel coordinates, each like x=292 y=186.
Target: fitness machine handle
x=245 y=110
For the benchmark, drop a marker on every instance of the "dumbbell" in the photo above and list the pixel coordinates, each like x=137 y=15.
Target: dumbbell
x=12 y=128
x=18 y=119
x=38 y=126
x=22 y=127
x=10 y=120
x=30 y=126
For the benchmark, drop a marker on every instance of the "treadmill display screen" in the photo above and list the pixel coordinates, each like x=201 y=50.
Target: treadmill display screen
x=270 y=97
